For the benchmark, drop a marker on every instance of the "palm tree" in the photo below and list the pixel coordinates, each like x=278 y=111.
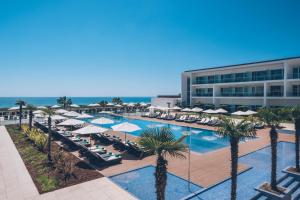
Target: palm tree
x=49 y=112
x=117 y=100
x=162 y=142
x=296 y=117
x=20 y=103
x=236 y=132
x=30 y=108
x=103 y=103
x=64 y=101
x=269 y=117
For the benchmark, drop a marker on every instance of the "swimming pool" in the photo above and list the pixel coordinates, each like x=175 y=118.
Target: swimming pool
x=202 y=140
x=260 y=161
x=141 y=183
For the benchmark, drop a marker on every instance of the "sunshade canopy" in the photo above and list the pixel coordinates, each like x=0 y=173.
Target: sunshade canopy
x=93 y=104
x=84 y=116
x=196 y=109
x=71 y=122
x=74 y=106
x=126 y=127
x=42 y=107
x=38 y=112
x=61 y=111
x=56 y=117
x=239 y=113
x=55 y=106
x=90 y=129
x=210 y=111
x=186 y=110
x=175 y=108
x=221 y=110
x=102 y=120
x=71 y=114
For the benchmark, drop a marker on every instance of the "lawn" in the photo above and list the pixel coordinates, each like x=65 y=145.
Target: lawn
x=49 y=178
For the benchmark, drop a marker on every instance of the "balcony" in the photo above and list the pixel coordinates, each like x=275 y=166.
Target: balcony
x=242 y=79
x=242 y=94
x=203 y=95
x=275 y=94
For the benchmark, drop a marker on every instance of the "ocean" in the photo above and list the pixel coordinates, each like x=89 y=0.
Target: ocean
x=6 y=102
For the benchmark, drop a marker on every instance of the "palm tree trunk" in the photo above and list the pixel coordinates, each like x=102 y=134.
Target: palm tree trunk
x=30 y=119
x=273 y=137
x=20 y=116
x=297 y=143
x=160 y=177
x=49 y=140
x=234 y=149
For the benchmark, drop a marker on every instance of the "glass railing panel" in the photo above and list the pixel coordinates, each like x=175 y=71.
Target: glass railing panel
x=275 y=94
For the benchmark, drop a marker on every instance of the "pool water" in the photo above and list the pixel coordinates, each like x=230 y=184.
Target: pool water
x=200 y=140
x=260 y=161
x=141 y=183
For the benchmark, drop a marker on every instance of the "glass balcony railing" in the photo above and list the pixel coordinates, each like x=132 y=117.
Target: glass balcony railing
x=245 y=79
x=242 y=94
x=203 y=95
x=275 y=94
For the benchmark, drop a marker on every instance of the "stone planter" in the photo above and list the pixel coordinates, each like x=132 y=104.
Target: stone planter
x=295 y=175
x=285 y=195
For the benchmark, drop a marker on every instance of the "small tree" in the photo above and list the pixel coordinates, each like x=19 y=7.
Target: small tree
x=30 y=108
x=49 y=112
x=162 y=142
x=20 y=103
x=103 y=103
x=235 y=132
x=269 y=117
x=117 y=100
x=64 y=101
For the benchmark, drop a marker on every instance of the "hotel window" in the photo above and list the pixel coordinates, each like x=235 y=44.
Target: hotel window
x=204 y=92
x=296 y=90
x=226 y=78
x=211 y=79
x=276 y=74
x=258 y=91
x=259 y=76
x=227 y=92
x=241 y=77
x=276 y=91
x=296 y=72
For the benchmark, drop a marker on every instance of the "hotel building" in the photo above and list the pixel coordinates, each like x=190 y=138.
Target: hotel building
x=269 y=83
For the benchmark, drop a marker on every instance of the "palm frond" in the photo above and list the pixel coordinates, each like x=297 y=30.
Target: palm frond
x=162 y=141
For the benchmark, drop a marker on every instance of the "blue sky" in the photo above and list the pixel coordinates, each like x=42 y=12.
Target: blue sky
x=134 y=47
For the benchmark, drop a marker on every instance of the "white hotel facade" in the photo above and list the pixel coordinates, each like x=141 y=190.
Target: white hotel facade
x=270 y=83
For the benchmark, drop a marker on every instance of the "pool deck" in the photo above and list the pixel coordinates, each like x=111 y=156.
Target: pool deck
x=206 y=169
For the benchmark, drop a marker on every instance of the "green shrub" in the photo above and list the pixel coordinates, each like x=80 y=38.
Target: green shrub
x=47 y=183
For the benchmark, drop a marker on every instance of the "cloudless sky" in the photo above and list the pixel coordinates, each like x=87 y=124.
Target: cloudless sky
x=134 y=47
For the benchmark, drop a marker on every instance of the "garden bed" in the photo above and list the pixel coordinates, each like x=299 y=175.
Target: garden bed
x=49 y=178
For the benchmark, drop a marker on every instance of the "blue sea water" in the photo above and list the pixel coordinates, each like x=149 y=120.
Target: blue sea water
x=6 y=102
x=200 y=140
x=141 y=183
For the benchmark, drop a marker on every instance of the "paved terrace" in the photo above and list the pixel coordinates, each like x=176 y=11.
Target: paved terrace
x=206 y=169
x=16 y=183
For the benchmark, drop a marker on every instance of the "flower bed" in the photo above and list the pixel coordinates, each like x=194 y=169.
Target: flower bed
x=66 y=170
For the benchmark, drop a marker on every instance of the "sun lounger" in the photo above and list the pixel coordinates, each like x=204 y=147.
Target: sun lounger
x=137 y=150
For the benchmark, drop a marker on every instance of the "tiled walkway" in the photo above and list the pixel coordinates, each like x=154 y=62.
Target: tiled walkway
x=16 y=183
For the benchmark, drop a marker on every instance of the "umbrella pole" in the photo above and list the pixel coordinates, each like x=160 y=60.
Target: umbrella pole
x=125 y=137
